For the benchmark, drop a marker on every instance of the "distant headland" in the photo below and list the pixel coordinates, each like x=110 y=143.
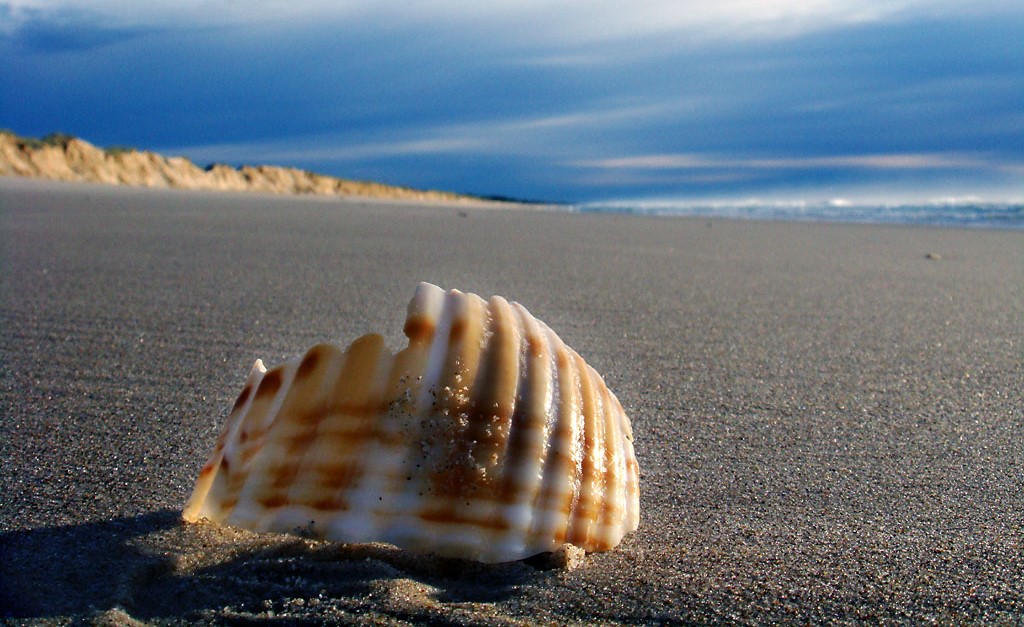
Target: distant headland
x=66 y=158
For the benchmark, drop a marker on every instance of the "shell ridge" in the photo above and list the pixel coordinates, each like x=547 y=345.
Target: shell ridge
x=408 y=530
x=245 y=514
x=398 y=432
x=609 y=521
x=301 y=496
x=431 y=404
x=427 y=470
x=577 y=450
x=424 y=468
x=548 y=481
x=363 y=495
x=528 y=430
x=198 y=505
x=583 y=515
x=600 y=454
x=558 y=433
x=241 y=445
x=462 y=459
x=435 y=357
x=247 y=441
x=353 y=405
x=446 y=464
x=632 y=480
x=628 y=482
x=494 y=403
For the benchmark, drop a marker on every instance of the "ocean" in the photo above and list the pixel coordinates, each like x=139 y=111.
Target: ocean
x=948 y=214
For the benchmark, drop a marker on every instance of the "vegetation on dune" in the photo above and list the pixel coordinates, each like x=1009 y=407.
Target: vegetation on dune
x=53 y=139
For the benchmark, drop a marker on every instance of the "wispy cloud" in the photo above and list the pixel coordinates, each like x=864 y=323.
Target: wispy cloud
x=530 y=135
x=898 y=161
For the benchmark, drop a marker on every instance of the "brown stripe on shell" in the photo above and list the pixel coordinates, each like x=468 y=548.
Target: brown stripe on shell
x=311 y=359
x=242 y=398
x=273 y=499
x=457 y=330
x=247 y=451
x=331 y=504
x=335 y=475
x=457 y=517
x=419 y=329
x=270 y=384
x=281 y=474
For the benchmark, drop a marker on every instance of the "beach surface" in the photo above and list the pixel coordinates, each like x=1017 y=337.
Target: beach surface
x=828 y=418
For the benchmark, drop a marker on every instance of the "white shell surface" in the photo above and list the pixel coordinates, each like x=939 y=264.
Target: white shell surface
x=487 y=438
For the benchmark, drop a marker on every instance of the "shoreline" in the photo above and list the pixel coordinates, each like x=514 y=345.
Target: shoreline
x=41 y=184
x=826 y=418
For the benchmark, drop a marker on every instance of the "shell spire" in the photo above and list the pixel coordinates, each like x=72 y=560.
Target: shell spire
x=487 y=438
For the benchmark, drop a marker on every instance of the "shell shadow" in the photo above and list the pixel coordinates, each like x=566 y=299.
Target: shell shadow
x=74 y=569
x=141 y=564
x=296 y=578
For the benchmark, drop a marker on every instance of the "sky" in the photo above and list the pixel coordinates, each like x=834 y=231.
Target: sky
x=559 y=100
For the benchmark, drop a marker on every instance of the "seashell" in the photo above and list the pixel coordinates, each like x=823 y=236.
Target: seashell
x=487 y=438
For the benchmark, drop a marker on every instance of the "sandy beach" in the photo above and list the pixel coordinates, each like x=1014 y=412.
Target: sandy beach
x=828 y=418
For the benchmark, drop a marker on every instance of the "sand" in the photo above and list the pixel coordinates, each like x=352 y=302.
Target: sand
x=828 y=418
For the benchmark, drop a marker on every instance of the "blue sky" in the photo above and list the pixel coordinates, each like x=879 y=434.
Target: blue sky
x=562 y=100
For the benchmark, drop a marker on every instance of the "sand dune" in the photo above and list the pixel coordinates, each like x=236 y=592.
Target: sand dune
x=65 y=158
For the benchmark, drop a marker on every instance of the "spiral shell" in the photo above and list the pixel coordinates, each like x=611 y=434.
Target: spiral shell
x=487 y=438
